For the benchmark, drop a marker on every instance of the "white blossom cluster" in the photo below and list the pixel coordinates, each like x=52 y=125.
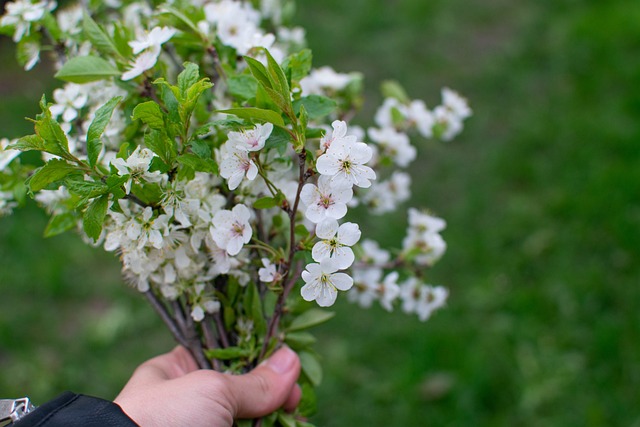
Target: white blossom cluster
x=179 y=233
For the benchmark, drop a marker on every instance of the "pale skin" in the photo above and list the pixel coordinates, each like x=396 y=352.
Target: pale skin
x=171 y=390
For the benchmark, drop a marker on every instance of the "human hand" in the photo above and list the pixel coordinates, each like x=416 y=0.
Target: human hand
x=170 y=390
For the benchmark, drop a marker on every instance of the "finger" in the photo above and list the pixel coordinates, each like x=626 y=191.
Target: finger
x=266 y=388
x=293 y=400
x=174 y=364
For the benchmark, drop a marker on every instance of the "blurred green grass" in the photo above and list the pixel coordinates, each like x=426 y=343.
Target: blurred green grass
x=541 y=194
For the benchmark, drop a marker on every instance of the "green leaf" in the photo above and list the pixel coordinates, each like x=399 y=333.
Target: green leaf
x=97 y=36
x=256 y=114
x=257 y=313
x=149 y=112
x=287 y=420
x=300 y=64
x=200 y=148
x=163 y=146
x=259 y=71
x=308 y=405
x=243 y=86
x=94 y=215
x=393 y=89
x=188 y=77
x=265 y=203
x=97 y=127
x=311 y=367
x=58 y=224
x=52 y=171
x=278 y=78
x=182 y=17
x=299 y=340
x=86 y=189
x=228 y=353
x=85 y=69
x=317 y=106
x=310 y=318
x=28 y=143
x=198 y=164
x=279 y=140
x=301 y=230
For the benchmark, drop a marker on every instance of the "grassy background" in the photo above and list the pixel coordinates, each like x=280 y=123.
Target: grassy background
x=541 y=194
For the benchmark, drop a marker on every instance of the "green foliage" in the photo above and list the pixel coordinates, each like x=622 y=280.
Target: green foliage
x=85 y=69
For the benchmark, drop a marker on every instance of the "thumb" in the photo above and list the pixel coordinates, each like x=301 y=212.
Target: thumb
x=268 y=387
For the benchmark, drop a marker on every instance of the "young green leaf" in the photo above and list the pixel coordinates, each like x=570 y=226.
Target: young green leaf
x=149 y=112
x=28 y=143
x=243 y=86
x=163 y=146
x=228 y=353
x=85 y=69
x=311 y=367
x=310 y=318
x=188 y=77
x=97 y=127
x=256 y=114
x=265 y=203
x=94 y=215
x=316 y=106
x=86 y=189
x=51 y=172
x=300 y=64
x=58 y=224
x=198 y=164
x=393 y=89
x=97 y=36
x=259 y=71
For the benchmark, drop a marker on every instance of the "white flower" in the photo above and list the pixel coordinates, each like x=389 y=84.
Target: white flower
x=197 y=313
x=6 y=156
x=390 y=112
x=269 y=272
x=235 y=165
x=455 y=103
x=426 y=248
x=421 y=117
x=137 y=166
x=251 y=140
x=336 y=243
x=372 y=254
x=148 y=46
x=345 y=161
x=394 y=144
x=368 y=287
x=422 y=299
x=449 y=122
x=322 y=283
x=143 y=62
x=69 y=100
x=148 y=229
x=6 y=203
x=324 y=201
x=385 y=196
x=339 y=133
x=424 y=223
x=152 y=40
x=21 y=13
x=324 y=79
x=231 y=229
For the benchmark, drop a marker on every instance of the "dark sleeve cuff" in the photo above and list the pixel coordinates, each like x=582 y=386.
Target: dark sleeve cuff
x=76 y=410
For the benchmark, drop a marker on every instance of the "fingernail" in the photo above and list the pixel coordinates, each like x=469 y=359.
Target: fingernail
x=282 y=360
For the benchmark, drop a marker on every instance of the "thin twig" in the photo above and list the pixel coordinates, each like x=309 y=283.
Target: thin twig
x=210 y=339
x=166 y=318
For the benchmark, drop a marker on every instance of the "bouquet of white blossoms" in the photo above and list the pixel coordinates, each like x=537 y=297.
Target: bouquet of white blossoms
x=195 y=140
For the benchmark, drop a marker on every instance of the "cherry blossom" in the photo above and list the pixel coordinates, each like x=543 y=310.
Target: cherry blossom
x=336 y=243
x=322 y=282
x=231 y=229
x=324 y=201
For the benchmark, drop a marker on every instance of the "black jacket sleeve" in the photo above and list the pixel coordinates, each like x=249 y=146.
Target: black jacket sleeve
x=75 y=410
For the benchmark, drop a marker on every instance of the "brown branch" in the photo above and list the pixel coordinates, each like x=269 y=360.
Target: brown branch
x=161 y=309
